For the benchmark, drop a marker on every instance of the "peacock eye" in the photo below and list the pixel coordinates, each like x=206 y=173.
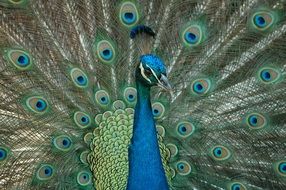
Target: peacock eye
x=269 y=75
x=105 y=51
x=256 y=121
x=62 y=142
x=158 y=110
x=185 y=129
x=128 y=14
x=130 y=94
x=102 y=97
x=193 y=35
x=79 y=78
x=220 y=153
x=83 y=178
x=183 y=168
x=45 y=172
x=237 y=186
x=20 y=59
x=281 y=168
x=37 y=104
x=262 y=20
x=3 y=153
x=201 y=86
x=82 y=119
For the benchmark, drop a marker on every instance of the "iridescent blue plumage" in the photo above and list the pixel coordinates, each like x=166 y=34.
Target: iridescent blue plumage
x=154 y=62
x=145 y=165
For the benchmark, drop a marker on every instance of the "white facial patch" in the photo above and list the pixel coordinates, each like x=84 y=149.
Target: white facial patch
x=143 y=74
x=154 y=74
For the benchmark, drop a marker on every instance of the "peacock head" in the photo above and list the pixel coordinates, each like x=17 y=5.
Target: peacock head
x=152 y=71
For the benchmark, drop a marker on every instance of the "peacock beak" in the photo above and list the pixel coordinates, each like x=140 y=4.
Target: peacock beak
x=164 y=83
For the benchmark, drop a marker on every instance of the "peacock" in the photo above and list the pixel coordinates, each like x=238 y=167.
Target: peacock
x=142 y=94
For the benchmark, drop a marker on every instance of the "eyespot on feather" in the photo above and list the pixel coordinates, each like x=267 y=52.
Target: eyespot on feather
x=185 y=129
x=37 y=104
x=62 y=142
x=183 y=168
x=19 y=58
x=102 y=98
x=45 y=172
x=192 y=35
x=201 y=86
x=105 y=51
x=82 y=119
x=262 y=20
x=128 y=14
x=269 y=75
x=3 y=153
x=79 y=78
x=236 y=186
x=220 y=153
x=130 y=95
x=158 y=110
x=280 y=168
x=83 y=178
x=256 y=121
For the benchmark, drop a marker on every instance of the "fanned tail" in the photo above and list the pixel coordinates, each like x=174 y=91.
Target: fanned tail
x=67 y=78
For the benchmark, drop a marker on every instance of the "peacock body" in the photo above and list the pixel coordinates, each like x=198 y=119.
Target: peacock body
x=79 y=110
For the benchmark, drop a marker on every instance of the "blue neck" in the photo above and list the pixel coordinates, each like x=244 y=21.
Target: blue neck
x=145 y=165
